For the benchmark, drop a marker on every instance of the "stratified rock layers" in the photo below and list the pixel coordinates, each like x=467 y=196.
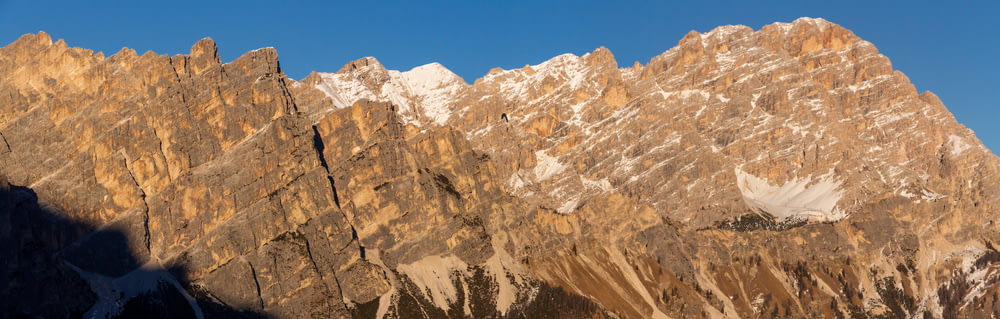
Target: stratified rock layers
x=784 y=172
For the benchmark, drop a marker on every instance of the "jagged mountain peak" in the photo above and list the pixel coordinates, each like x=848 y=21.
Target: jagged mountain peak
x=820 y=23
x=431 y=74
x=422 y=94
x=364 y=63
x=32 y=39
x=205 y=46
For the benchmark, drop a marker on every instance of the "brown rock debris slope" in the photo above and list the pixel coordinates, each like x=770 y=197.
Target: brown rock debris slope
x=783 y=172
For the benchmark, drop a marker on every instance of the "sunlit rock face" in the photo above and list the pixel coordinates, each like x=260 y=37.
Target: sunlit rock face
x=782 y=172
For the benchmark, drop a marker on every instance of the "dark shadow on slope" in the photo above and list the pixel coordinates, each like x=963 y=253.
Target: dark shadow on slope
x=33 y=281
x=38 y=280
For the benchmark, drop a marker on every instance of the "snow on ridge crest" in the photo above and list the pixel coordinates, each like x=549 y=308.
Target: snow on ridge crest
x=816 y=21
x=344 y=89
x=436 y=87
x=427 y=89
x=724 y=30
x=567 y=69
x=808 y=199
x=430 y=76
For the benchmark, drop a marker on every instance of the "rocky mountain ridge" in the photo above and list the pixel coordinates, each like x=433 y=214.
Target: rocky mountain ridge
x=783 y=172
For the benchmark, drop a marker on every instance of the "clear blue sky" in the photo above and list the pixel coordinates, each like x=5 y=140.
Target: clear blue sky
x=948 y=48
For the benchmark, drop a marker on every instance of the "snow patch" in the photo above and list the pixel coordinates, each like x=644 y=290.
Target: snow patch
x=672 y=139
x=930 y=196
x=687 y=94
x=569 y=206
x=601 y=184
x=113 y=293
x=344 y=89
x=864 y=85
x=808 y=199
x=757 y=302
x=753 y=101
x=515 y=182
x=923 y=194
x=726 y=60
x=907 y=194
x=546 y=166
x=958 y=145
x=722 y=31
x=979 y=279
x=798 y=129
x=888 y=118
x=815 y=104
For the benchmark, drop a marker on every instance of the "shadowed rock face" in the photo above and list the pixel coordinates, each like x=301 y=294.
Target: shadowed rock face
x=783 y=172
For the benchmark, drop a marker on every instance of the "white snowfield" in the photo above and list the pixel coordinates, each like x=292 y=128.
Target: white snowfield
x=809 y=199
x=428 y=90
x=435 y=87
x=547 y=166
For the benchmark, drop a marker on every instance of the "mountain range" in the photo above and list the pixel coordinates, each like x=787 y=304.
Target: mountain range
x=785 y=172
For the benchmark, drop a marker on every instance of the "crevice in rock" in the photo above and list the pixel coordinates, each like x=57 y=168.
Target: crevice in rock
x=163 y=152
x=336 y=198
x=316 y=268
x=349 y=243
x=177 y=76
x=289 y=99
x=145 y=226
x=354 y=236
x=145 y=205
x=256 y=283
x=311 y=259
x=319 y=146
x=5 y=144
x=340 y=289
x=333 y=270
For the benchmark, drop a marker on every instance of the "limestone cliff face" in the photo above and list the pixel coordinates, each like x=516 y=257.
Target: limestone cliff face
x=783 y=172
